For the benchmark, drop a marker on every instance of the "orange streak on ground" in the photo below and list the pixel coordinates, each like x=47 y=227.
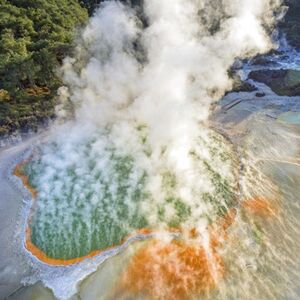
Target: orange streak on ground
x=178 y=269
x=25 y=180
x=56 y=262
x=42 y=256
x=173 y=270
x=260 y=206
x=218 y=231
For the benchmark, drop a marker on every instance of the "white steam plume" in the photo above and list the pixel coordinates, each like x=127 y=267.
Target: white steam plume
x=146 y=90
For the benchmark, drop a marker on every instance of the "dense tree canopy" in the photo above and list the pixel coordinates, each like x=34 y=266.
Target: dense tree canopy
x=91 y=5
x=35 y=35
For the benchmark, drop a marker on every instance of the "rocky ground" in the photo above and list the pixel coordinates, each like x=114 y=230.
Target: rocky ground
x=13 y=266
x=291 y=24
x=282 y=82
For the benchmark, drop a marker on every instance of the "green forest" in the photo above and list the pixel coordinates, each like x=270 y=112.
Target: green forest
x=35 y=37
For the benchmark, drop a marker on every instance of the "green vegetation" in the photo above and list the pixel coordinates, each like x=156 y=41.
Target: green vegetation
x=90 y=5
x=35 y=37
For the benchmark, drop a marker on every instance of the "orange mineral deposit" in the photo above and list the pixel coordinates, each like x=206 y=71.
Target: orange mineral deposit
x=260 y=206
x=18 y=171
x=173 y=270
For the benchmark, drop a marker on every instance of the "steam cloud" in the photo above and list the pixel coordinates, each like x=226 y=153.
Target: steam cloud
x=144 y=89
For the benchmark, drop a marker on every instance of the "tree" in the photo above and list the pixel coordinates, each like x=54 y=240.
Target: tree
x=91 y=5
x=35 y=36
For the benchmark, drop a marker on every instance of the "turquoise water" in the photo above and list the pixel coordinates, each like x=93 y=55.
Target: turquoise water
x=290 y=118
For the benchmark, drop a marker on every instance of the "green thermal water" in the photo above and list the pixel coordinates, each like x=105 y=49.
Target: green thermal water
x=85 y=206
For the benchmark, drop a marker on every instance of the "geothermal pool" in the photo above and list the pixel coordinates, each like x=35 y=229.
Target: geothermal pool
x=258 y=246
x=152 y=184
x=81 y=210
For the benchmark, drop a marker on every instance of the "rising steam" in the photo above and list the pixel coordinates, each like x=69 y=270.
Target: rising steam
x=138 y=148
